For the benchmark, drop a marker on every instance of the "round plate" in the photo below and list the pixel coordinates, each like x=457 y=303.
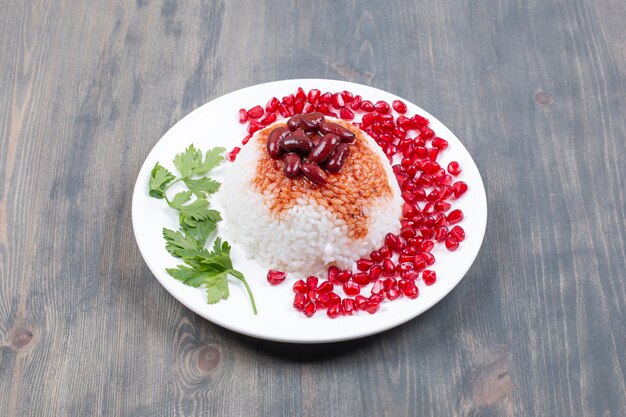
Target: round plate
x=216 y=124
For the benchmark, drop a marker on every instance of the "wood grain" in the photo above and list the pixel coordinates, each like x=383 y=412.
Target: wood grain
x=534 y=89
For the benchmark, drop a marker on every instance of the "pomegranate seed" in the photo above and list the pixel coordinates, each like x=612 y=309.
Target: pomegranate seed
x=428 y=257
x=376 y=256
x=426 y=232
x=275 y=277
x=347 y=96
x=326 y=98
x=356 y=103
x=441 y=233
x=440 y=143
x=372 y=306
x=346 y=114
x=361 y=278
x=419 y=263
x=311 y=282
x=360 y=302
x=419 y=121
x=309 y=309
x=300 y=94
x=298 y=106
x=388 y=266
x=313 y=95
x=393 y=293
x=385 y=252
x=458 y=233
x=351 y=288
x=246 y=139
x=312 y=295
x=300 y=287
x=378 y=288
x=442 y=206
x=337 y=101
x=255 y=112
x=232 y=155
x=243 y=116
x=364 y=264
x=381 y=107
x=405 y=123
x=288 y=100
x=426 y=133
x=334 y=311
x=284 y=111
x=325 y=286
x=332 y=273
x=433 y=153
x=299 y=301
x=452 y=244
x=411 y=275
x=272 y=105
x=344 y=276
x=394 y=242
x=375 y=272
x=405 y=258
x=269 y=119
x=427 y=246
x=459 y=188
x=411 y=290
x=455 y=216
x=429 y=277
x=348 y=306
x=407 y=232
x=399 y=106
x=254 y=126
x=323 y=301
x=388 y=283
x=403 y=267
x=367 y=106
x=454 y=168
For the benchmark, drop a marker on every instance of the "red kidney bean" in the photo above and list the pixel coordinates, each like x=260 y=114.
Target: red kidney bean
x=273 y=141
x=344 y=134
x=338 y=158
x=307 y=121
x=324 y=148
x=313 y=172
x=315 y=137
x=291 y=169
x=298 y=142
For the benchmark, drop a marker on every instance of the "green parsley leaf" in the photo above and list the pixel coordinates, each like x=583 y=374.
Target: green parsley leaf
x=216 y=288
x=160 y=178
x=201 y=231
x=187 y=161
x=202 y=187
x=213 y=158
x=180 y=199
x=189 y=276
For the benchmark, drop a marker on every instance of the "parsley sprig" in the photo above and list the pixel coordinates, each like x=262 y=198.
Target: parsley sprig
x=197 y=222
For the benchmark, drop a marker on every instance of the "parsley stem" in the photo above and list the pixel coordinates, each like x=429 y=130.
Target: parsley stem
x=240 y=276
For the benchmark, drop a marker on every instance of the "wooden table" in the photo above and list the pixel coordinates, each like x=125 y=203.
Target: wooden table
x=535 y=90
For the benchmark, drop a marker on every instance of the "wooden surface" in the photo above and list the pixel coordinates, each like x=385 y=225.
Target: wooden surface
x=536 y=90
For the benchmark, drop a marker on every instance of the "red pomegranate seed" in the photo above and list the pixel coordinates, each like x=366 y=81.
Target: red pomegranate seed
x=334 y=311
x=405 y=258
x=284 y=111
x=459 y=188
x=360 y=302
x=441 y=233
x=326 y=98
x=299 y=301
x=243 y=116
x=246 y=139
x=385 y=252
x=361 y=278
x=403 y=267
x=427 y=232
x=388 y=266
x=442 y=206
x=312 y=295
x=323 y=300
x=452 y=244
x=348 y=306
x=288 y=100
x=440 y=219
x=356 y=102
x=311 y=282
x=275 y=277
x=255 y=112
x=455 y=216
x=272 y=105
x=300 y=94
x=309 y=309
x=346 y=114
x=394 y=242
x=399 y=106
x=332 y=273
x=347 y=96
x=426 y=133
x=300 y=287
x=373 y=305
x=376 y=256
x=428 y=257
x=393 y=293
x=375 y=272
x=419 y=121
x=454 y=168
x=458 y=233
x=325 y=286
x=254 y=126
x=367 y=106
x=405 y=123
x=337 y=101
x=298 y=106
x=411 y=290
x=381 y=107
x=351 y=288
x=427 y=246
x=429 y=277
x=411 y=275
x=269 y=119
x=419 y=263
x=364 y=264
x=344 y=276
x=378 y=288
x=407 y=232
x=313 y=95
x=440 y=143
x=388 y=283
x=433 y=153
x=232 y=155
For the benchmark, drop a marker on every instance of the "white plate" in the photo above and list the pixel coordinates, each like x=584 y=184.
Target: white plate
x=216 y=124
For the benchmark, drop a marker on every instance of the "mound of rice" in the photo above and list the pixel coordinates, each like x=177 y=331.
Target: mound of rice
x=295 y=226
